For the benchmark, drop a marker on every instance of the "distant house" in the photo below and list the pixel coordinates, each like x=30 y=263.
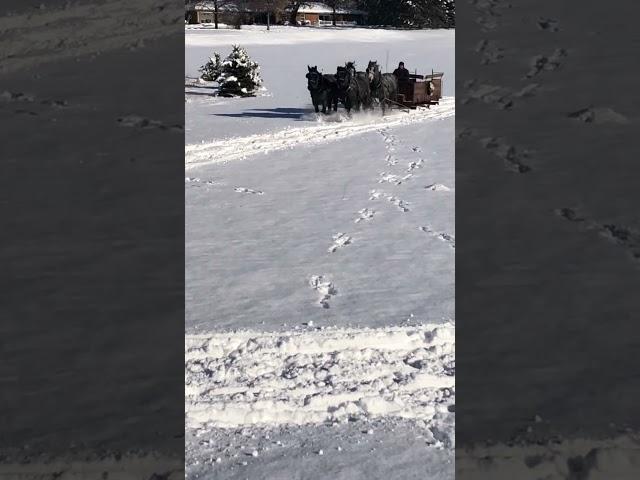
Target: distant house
x=229 y=12
x=320 y=14
x=203 y=11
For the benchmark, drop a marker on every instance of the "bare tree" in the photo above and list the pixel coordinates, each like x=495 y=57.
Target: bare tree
x=334 y=4
x=269 y=7
x=294 y=6
x=217 y=4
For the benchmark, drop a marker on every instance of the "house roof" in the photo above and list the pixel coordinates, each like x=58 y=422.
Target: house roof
x=319 y=7
x=208 y=6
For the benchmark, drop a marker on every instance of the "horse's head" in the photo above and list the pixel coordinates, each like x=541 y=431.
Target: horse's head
x=351 y=66
x=314 y=77
x=343 y=77
x=372 y=70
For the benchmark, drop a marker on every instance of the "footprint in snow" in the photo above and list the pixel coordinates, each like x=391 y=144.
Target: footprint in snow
x=438 y=187
x=445 y=237
x=597 y=115
x=390 y=160
x=364 y=214
x=339 y=240
x=514 y=158
x=394 y=179
x=541 y=63
x=248 y=190
x=621 y=235
x=401 y=204
x=413 y=165
x=548 y=24
x=324 y=287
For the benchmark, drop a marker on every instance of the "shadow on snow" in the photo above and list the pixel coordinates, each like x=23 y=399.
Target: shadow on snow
x=289 y=113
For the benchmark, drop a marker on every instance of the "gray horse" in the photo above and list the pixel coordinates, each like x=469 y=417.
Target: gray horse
x=384 y=86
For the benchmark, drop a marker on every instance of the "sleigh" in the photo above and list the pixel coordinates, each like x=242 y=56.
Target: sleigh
x=419 y=90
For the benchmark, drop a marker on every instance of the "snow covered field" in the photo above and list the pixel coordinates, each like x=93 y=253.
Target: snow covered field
x=319 y=267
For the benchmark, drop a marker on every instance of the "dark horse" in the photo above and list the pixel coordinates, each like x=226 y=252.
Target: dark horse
x=364 y=91
x=384 y=87
x=323 y=90
x=353 y=91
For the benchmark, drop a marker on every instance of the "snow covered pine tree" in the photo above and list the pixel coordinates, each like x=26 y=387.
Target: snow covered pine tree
x=240 y=75
x=211 y=70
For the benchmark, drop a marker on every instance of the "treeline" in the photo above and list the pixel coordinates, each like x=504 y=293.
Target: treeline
x=392 y=13
x=410 y=13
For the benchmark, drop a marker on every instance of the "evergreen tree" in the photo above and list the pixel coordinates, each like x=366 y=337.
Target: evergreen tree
x=211 y=70
x=240 y=76
x=410 y=13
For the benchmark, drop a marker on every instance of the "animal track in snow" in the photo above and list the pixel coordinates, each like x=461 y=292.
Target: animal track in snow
x=364 y=214
x=339 y=240
x=513 y=158
x=548 y=24
x=390 y=160
x=392 y=178
x=413 y=165
x=622 y=236
x=598 y=115
x=541 y=63
x=489 y=12
x=248 y=190
x=198 y=180
x=445 y=237
x=527 y=91
x=490 y=94
x=19 y=97
x=324 y=288
x=11 y=97
x=438 y=187
x=136 y=121
x=401 y=204
x=390 y=139
x=463 y=133
x=501 y=97
x=491 y=53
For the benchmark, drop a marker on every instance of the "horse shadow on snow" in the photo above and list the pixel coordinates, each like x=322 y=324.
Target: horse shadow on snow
x=287 y=113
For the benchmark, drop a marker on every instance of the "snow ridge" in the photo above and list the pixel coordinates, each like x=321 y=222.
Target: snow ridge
x=239 y=148
x=318 y=376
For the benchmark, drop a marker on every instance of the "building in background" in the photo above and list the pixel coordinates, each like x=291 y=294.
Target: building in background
x=320 y=14
x=246 y=12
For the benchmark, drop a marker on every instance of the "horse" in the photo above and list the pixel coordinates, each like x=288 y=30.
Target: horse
x=332 y=90
x=347 y=89
x=364 y=91
x=384 y=87
x=319 y=89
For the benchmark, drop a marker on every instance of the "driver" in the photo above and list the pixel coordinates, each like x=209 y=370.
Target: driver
x=401 y=73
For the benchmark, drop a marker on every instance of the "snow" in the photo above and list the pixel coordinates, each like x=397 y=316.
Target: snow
x=317 y=310
x=315 y=377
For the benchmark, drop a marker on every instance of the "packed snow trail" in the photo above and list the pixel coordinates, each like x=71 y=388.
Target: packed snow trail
x=318 y=376
x=237 y=148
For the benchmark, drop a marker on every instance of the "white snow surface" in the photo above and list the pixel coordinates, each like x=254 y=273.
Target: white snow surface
x=319 y=376
x=318 y=311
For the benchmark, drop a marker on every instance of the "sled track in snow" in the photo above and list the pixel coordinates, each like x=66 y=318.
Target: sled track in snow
x=238 y=148
x=320 y=376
